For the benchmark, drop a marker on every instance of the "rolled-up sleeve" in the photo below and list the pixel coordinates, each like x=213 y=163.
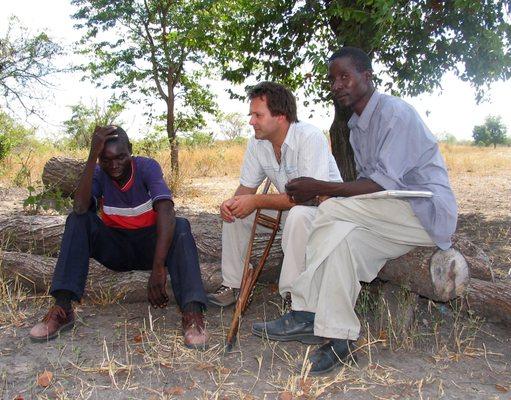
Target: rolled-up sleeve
x=252 y=173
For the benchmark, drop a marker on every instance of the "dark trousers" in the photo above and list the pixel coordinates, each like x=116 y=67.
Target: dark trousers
x=87 y=236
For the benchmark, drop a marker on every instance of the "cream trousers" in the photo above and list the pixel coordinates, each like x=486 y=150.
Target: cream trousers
x=350 y=241
x=296 y=225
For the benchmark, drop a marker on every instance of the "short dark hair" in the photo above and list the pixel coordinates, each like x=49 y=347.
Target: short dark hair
x=359 y=57
x=279 y=99
x=122 y=137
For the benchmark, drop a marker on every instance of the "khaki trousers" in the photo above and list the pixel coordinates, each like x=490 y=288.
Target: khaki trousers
x=350 y=241
x=296 y=225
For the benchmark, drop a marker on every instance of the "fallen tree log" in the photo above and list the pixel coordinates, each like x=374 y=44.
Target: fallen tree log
x=441 y=277
x=103 y=285
x=61 y=173
x=490 y=299
x=41 y=235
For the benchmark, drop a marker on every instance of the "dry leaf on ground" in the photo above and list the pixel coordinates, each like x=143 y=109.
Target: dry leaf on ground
x=286 y=396
x=501 y=388
x=174 y=390
x=45 y=378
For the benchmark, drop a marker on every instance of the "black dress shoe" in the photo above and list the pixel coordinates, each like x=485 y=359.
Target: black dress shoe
x=295 y=325
x=331 y=355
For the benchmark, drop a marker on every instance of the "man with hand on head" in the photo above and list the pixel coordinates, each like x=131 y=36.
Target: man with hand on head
x=351 y=239
x=137 y=230
x=282 y=149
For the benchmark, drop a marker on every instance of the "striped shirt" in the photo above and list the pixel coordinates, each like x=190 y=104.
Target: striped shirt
x=130 y=206
x=305 y=152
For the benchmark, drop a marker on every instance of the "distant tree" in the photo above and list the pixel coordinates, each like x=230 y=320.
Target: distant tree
x=493 y=131
x=26 y=63
x=233 y=125
x=157 y=49
x=13 y=135
x=85 y=118
x=413 y=43
x=448 y=138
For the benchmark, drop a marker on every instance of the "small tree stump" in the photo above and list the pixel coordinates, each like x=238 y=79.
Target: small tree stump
x=62 y=173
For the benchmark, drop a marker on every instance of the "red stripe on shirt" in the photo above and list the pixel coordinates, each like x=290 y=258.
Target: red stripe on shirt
x=140 y=221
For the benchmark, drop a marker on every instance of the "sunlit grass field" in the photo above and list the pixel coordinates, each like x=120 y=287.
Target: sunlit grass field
x=224 y=159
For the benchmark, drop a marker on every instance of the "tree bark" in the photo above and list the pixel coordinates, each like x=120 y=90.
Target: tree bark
x=171 y=126
x=438 y=275
x=492 y=300
x=434 y=274
x=341 y=147
x=61 y=173
x=103 y=285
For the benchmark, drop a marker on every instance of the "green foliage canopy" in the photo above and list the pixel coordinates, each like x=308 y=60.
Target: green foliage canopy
x=413 y=43
x=12 y=134
x=26 y=63
x=493 y=131
x=159 y=49
x=84 y=119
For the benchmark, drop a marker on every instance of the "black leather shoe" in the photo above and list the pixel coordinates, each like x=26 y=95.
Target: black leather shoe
x=289 y=327
x=331 y=355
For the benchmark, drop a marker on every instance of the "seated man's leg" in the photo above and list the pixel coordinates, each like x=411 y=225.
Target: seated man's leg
x=185 y=278
x=235 y=237
x=350 y=241
x=84 y=236
x=295 y=236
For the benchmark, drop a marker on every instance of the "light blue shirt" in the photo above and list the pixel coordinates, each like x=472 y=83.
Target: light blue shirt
x=394 y=148
x=305 y=152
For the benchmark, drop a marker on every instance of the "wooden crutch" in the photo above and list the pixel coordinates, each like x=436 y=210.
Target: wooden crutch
x=251 y=274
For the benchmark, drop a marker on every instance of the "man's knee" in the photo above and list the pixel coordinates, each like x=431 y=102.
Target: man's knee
x=299 y=216
x=338 y=207
x=182 y=226
x=74 y=218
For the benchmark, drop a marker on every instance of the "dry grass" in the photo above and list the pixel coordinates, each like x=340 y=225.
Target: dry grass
x=480 y=160
x=259 y=369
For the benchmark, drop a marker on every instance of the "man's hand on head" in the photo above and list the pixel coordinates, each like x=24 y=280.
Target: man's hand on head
x=99 y=137
x=243 y=205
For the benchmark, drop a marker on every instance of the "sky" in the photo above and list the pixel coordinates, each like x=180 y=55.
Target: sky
x=452 y=110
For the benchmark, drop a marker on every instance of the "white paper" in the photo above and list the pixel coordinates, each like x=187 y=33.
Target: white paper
x=385 y=194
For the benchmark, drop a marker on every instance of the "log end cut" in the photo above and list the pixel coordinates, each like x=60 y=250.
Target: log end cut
x=449 y=274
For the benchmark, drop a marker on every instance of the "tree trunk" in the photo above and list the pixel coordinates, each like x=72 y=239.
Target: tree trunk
x=341 y=147
x=61 y=173
x=171 y=127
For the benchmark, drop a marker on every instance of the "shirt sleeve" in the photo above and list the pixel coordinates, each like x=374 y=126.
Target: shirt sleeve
x=314 y=157
x=404 y=143
x=154 y=182
x=252 y=173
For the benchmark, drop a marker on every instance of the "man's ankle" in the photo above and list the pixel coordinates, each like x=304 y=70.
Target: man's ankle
x=193 y=306
x=303 y=316
x=63 y=299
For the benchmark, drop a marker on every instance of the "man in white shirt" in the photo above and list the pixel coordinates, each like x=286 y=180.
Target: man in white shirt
x=282 y=149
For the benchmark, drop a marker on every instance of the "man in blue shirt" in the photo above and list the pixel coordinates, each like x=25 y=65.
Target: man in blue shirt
x=136 y=229
x=352 y=238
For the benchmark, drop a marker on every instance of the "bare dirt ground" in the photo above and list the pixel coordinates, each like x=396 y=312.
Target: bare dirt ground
x=128 y=351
